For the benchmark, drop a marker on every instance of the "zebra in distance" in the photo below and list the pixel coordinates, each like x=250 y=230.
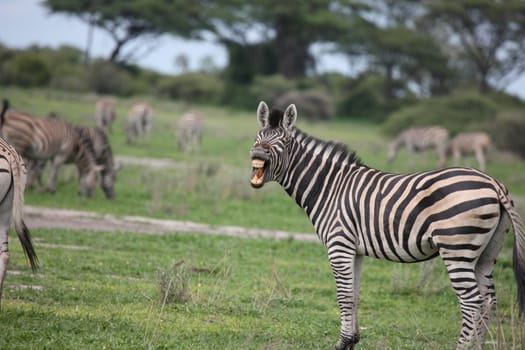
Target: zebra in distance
x=189 y=131
x=105 y=113
x=103 y=157
x=53 y=139
x=12 y=183
x=139 y=122
x=419 y=139
x=460 y=214
x=475 y=143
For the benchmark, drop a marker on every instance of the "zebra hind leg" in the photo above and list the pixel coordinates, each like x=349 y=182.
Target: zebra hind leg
x=484 y=270
x=462 y=276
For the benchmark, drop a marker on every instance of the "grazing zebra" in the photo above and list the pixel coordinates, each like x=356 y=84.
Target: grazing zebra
x=105 y=113
x=12 y=183
x=189 y=131
x=139 y=122
x=103 y=157
x=460 y=214
x=471 y=143
x=418 y=139
x=51 y=138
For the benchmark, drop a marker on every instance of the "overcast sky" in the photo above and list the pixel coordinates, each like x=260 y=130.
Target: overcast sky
x=27 y=22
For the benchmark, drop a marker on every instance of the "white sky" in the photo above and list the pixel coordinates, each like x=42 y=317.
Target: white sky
x=27 y=22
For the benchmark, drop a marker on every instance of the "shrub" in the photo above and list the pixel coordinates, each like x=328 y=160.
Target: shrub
x=508 y=130
x=366 y=100
x=457 y=113
x=269 y=88
x=27 y=70
x=192 y=87
x=312 y=104
x=107 y=78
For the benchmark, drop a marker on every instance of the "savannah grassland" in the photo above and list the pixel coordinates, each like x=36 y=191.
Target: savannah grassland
x=101 y=290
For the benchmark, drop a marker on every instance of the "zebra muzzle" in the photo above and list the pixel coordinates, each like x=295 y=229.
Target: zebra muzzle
x=257 y=179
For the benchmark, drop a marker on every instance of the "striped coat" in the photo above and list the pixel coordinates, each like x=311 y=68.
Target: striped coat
x=103 y=157
x=459 y=214
x=52 y=139
x=12 y=183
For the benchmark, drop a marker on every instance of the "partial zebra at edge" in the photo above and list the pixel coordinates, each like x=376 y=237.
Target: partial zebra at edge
x=460 y=214
x=12 y=183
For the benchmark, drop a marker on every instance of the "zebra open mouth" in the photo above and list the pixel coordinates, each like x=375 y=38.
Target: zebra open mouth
x=258 y=169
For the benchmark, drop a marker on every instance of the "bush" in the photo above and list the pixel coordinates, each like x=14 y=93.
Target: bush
x=107 y=78
x=460 y=112
x=508 y=130
x=269 y=88
x=192 y=87
x=27 y=70
x=311 y=104
x=366 y=99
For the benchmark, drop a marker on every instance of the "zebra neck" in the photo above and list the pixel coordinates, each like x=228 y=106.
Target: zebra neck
x=315 y=168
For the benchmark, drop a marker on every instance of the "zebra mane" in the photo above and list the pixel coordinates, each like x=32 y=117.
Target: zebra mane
x=337 y=147
x=276 y=115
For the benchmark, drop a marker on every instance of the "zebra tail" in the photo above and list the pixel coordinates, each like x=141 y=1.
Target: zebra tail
x=20 y=227
x=518 y=253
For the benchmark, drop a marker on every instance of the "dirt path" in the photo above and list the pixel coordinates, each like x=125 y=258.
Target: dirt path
x=36 y=217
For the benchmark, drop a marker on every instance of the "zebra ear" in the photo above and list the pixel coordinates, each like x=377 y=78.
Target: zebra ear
x=263 y=114
x=289 y=117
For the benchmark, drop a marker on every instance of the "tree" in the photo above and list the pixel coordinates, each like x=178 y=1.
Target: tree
x=490 y=35
x=128 y=21
x=285 y=29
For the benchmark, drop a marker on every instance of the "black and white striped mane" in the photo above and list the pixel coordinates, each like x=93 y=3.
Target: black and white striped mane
x=276 y=116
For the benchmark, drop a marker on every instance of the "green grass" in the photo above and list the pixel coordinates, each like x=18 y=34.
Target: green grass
x=100 y=289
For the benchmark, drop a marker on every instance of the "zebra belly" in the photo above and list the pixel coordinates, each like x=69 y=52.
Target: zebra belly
x=386 y=247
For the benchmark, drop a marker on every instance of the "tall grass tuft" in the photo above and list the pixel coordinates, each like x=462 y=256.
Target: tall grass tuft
x=173 y=283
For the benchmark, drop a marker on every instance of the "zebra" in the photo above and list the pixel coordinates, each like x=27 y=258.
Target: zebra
x=105 y=112
x=12 y=183
x=189 y=131
x=103 y=157
x=418 y=139
x=45 y=138
x=460 y=214
x=475 y=143
x=139 y=122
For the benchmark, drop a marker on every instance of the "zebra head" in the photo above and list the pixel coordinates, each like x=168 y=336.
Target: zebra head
x=88 y=181
x=270 y=152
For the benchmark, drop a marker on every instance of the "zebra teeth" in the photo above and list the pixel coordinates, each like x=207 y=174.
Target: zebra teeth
x=257 y=163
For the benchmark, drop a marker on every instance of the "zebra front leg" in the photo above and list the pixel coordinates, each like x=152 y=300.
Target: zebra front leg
x=53 y=173
x=347 y=272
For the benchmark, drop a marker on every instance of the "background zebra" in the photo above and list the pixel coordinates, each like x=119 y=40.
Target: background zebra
x=139 y=122
x=12 y=182
x=418 y=139
x=103 y=157
x=51 y=138
x=471 y=143
x=189 y=131
x=460 y=214
x=105 y=113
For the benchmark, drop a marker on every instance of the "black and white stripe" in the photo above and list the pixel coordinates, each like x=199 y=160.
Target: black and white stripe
x=12 y=183
x=53 y=139
x=460 y=214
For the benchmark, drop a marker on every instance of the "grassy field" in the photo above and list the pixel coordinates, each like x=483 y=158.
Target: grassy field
x=100 y=290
